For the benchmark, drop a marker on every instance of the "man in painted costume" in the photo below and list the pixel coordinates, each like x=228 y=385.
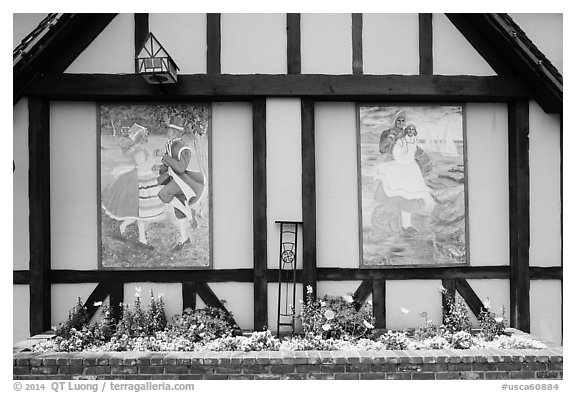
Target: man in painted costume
x=182 y=188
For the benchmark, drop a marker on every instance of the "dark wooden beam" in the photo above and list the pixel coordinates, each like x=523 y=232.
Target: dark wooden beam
x=425 y=44
x=293 y=53
x=141 y=30
x=510 y=52
x=481 y=43
x=22 y=277
x=189 y=295
x=424 y=273
x=357 y=56
x=404 y=88
x=519 y=205
x=472 y=300
x=308 y=196
x=379 y=303
x=210 y=299
x=362 y=293
x=213 y=44
x=59 y=48
x=39 y=210
x=99 y=294
x=116 y=300
x=259 y=214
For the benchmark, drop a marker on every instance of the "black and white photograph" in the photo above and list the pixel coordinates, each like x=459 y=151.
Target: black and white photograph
x=250 y=194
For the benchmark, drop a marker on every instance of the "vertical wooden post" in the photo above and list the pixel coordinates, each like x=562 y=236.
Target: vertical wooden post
x=293 y=53
x=519 y=197
x=39 y=220
x=117 y=300
x=213 y=44
x=141 y=30
x=188 y=295
x=379 y=302
x=357 y=56
x=425 y=39
x=259 y=214
x=308 y=196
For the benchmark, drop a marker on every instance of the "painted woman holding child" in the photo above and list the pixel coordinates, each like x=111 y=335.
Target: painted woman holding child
x=401 y=187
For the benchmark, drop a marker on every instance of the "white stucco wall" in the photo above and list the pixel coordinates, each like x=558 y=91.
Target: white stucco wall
x=20 y=212
x=337 y=236
x=73 y=195
x=253 y=43
x=239 y=300
x=283 y=171
x=487 y=144
x=232 y=185
x=416 y=297
x=390 y=44
x=326 y=43
x=20 y=313
x=171 y=292
x=112 y=52
x=452 y=54
x=546 y=310
x=65 y=297
x=545 y=180
x=545 y=31
x=184 y=38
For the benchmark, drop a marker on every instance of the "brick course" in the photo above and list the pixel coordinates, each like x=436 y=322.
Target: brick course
x=340 y=365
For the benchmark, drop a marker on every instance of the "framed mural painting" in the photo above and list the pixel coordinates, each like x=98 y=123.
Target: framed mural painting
x=154 y=188
x=412 y=185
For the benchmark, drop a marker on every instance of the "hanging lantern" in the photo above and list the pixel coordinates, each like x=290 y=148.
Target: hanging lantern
x=155 y=64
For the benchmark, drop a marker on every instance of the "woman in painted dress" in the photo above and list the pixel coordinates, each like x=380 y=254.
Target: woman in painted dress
x=133 y=196
x=401 y=179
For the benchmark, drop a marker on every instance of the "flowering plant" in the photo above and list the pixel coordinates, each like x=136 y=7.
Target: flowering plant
x=491 y=325
x=202 y=325
x=335 y=317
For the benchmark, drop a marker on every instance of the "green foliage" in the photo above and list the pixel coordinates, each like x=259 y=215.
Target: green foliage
x=137 y=322
x=77 y=319
x=394 y=340
x=335 y=317
x=430 y=330
x=202 y=325
x=492 y=326
x=457 y=318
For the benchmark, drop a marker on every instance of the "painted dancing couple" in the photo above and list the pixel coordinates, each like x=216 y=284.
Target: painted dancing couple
x=138 y=195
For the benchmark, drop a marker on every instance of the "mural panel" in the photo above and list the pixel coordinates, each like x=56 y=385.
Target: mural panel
x=154 y=191
x=412 y=185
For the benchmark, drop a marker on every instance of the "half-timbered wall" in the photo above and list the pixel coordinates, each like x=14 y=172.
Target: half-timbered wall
x=257 y=44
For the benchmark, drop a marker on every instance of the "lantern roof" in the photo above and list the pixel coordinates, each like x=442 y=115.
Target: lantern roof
x=153 y=48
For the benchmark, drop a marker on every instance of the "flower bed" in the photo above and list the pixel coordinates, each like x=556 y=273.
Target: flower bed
x=338 y=341
x=285 y=364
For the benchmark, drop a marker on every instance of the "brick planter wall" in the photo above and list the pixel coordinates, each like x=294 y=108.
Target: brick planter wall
x=400 y=365
x=431 y=364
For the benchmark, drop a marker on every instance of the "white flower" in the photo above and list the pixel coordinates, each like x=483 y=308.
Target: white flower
x=404 y=310
x=487 y=303
x=326 y=327
x=348 y=299
x=329 y=314
x=369 y=302
x=138 y=290
x=309 y=289
x=323 y=303
x=368 y=324
x=97 y=304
